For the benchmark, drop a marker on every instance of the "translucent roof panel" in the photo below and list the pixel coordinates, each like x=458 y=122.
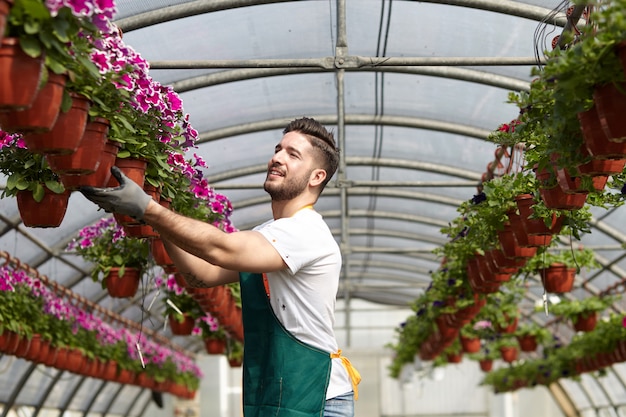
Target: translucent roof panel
x=411 y=90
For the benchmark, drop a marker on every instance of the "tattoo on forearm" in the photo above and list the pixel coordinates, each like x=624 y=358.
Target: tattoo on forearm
x=194 y=282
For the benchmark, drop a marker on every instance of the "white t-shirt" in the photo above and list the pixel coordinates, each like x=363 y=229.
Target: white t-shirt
x=303 y=295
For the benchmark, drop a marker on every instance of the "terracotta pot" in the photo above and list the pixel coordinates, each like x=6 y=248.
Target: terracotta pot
x=610 y=102
x=49 y=212
x=522 y=237
x=556 y=198
x=35 y=349
x=159 y=253
x=470 y=344
x=124 y=376
x=235 y=362
x=109 y=371
x=86 y=158
x=447 y=333
x=508 y=353
x=598 y=145
x=183 y=328
x=44 y=351
x=139 y=231
x=67 y=132
x=51 y=358
x=602 y=167
x=454 y=357
x=585 y=322
x=215 y=346
x=557 y=278
x=510 y=327
x=476 y=279
x=91 y=368
x=527 y=343
x=23 y=345
x=486 y=365
x=20 y=76
x=75 y=361
x=43 y=112
x=144 y=380
x=123 y=286
x=509 y=245
x=535 y=226
x=573 y=184
x=135 y=170
x=100 y=177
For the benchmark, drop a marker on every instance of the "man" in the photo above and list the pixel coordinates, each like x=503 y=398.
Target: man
x=292 y=364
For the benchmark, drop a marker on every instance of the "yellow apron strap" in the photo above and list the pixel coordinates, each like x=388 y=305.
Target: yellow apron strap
x=355 y=376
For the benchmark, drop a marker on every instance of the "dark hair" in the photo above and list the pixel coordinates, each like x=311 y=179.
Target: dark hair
x=321 y=139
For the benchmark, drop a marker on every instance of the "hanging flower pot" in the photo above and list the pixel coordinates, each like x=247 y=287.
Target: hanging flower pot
x=454 y=357
x=140 y=231
x=556 y=198
x=183 y=328
x=557 y=278
x=86 y=158
x=610 y=101
x=486 y=365
x=135 y=170
x=67 y=132
x=508 y=353
x=101 y=176
x=215 y=346
x=509 y=327
x=602 y=167
x=527 y=343
x=43 y=112
x=23 y=345
x=585 y=322
x=470 y=344
x=598 y=145
x=509 y=245
x=573 y=184
x=49 y=212
x=35 y=348
x=125 y=285
x=20 y=75
x=537 y=226
x=159 y=253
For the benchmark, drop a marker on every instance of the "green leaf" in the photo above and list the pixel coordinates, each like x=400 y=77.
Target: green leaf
x=30 y=46
x=38 y=192
x=119 y=260
x=55 y=186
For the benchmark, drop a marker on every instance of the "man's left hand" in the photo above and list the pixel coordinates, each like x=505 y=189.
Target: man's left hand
x=129 y=198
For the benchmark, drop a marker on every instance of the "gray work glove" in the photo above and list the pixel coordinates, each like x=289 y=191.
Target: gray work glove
x=129 y=198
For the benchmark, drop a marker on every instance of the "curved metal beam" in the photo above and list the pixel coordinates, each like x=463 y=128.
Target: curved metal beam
x=360 y=161
x=350 y=119
x=461 y=74
x=194 y=8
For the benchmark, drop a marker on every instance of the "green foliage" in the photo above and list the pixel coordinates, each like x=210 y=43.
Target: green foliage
x=106 y=246
x=27 y=171
x=571 y=308
x=571 y=257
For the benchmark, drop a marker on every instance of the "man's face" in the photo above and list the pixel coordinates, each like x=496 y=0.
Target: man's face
x=290 y=168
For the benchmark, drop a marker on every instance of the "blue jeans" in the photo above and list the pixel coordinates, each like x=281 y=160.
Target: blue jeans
x=341 y=406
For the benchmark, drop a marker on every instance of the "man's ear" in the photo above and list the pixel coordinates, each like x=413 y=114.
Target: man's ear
x=317 y=177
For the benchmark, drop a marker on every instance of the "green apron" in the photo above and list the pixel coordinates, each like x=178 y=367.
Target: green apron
x=281 y=375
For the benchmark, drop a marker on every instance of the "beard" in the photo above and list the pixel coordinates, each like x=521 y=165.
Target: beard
x=287 y=189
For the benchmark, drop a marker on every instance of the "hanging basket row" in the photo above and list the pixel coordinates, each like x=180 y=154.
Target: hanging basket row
x=38 y=350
